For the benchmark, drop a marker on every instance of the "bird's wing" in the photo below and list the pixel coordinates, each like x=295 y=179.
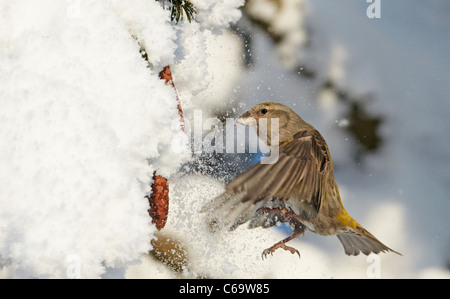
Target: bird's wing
x=302 y=170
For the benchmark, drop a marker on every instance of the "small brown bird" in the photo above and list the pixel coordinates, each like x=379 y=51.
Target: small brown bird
x=299 y=189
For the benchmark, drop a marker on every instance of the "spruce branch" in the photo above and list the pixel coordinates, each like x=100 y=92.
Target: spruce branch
x=179 y=9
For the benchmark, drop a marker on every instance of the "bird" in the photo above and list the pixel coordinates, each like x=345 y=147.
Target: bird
x=299 y=189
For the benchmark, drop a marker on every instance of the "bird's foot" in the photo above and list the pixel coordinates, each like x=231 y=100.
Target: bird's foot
x=281 y=244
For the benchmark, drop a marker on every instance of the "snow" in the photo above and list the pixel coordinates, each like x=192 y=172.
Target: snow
x=217 y=15
x=225 y=254
x=85 y=121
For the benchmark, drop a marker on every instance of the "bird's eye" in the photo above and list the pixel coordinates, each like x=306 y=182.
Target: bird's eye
x=264 y=111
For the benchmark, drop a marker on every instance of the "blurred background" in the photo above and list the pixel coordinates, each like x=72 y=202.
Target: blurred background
x=377 y=89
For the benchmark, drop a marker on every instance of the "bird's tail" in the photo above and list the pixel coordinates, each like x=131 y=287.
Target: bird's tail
x=357 y=239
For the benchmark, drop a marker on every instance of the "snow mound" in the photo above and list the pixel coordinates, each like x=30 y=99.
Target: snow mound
x=81 y=118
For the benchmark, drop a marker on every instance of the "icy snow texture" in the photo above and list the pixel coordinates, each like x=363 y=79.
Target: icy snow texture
x=196 y=72
x=235 y=254
x=217 y=15
x=147 y=22
x=84 y=123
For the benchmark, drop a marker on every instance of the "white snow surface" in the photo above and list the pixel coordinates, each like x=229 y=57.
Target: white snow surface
x=83 y=124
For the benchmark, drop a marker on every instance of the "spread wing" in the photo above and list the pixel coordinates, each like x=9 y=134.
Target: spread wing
x=302 y=171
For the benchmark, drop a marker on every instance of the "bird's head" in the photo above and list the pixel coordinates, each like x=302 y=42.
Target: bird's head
x=262 y=115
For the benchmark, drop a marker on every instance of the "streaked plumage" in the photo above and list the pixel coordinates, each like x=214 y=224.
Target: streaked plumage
x=299 y=189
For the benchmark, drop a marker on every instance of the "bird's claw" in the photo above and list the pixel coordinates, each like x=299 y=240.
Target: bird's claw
x=272 y=249
x=265 y=253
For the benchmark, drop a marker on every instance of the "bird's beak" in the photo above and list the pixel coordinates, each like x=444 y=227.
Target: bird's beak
x=246 y=119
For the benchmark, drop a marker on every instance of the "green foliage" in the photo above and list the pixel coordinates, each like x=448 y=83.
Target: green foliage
x=180 y=9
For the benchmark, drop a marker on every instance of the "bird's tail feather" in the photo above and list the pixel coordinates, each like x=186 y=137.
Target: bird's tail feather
x=360 y=240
